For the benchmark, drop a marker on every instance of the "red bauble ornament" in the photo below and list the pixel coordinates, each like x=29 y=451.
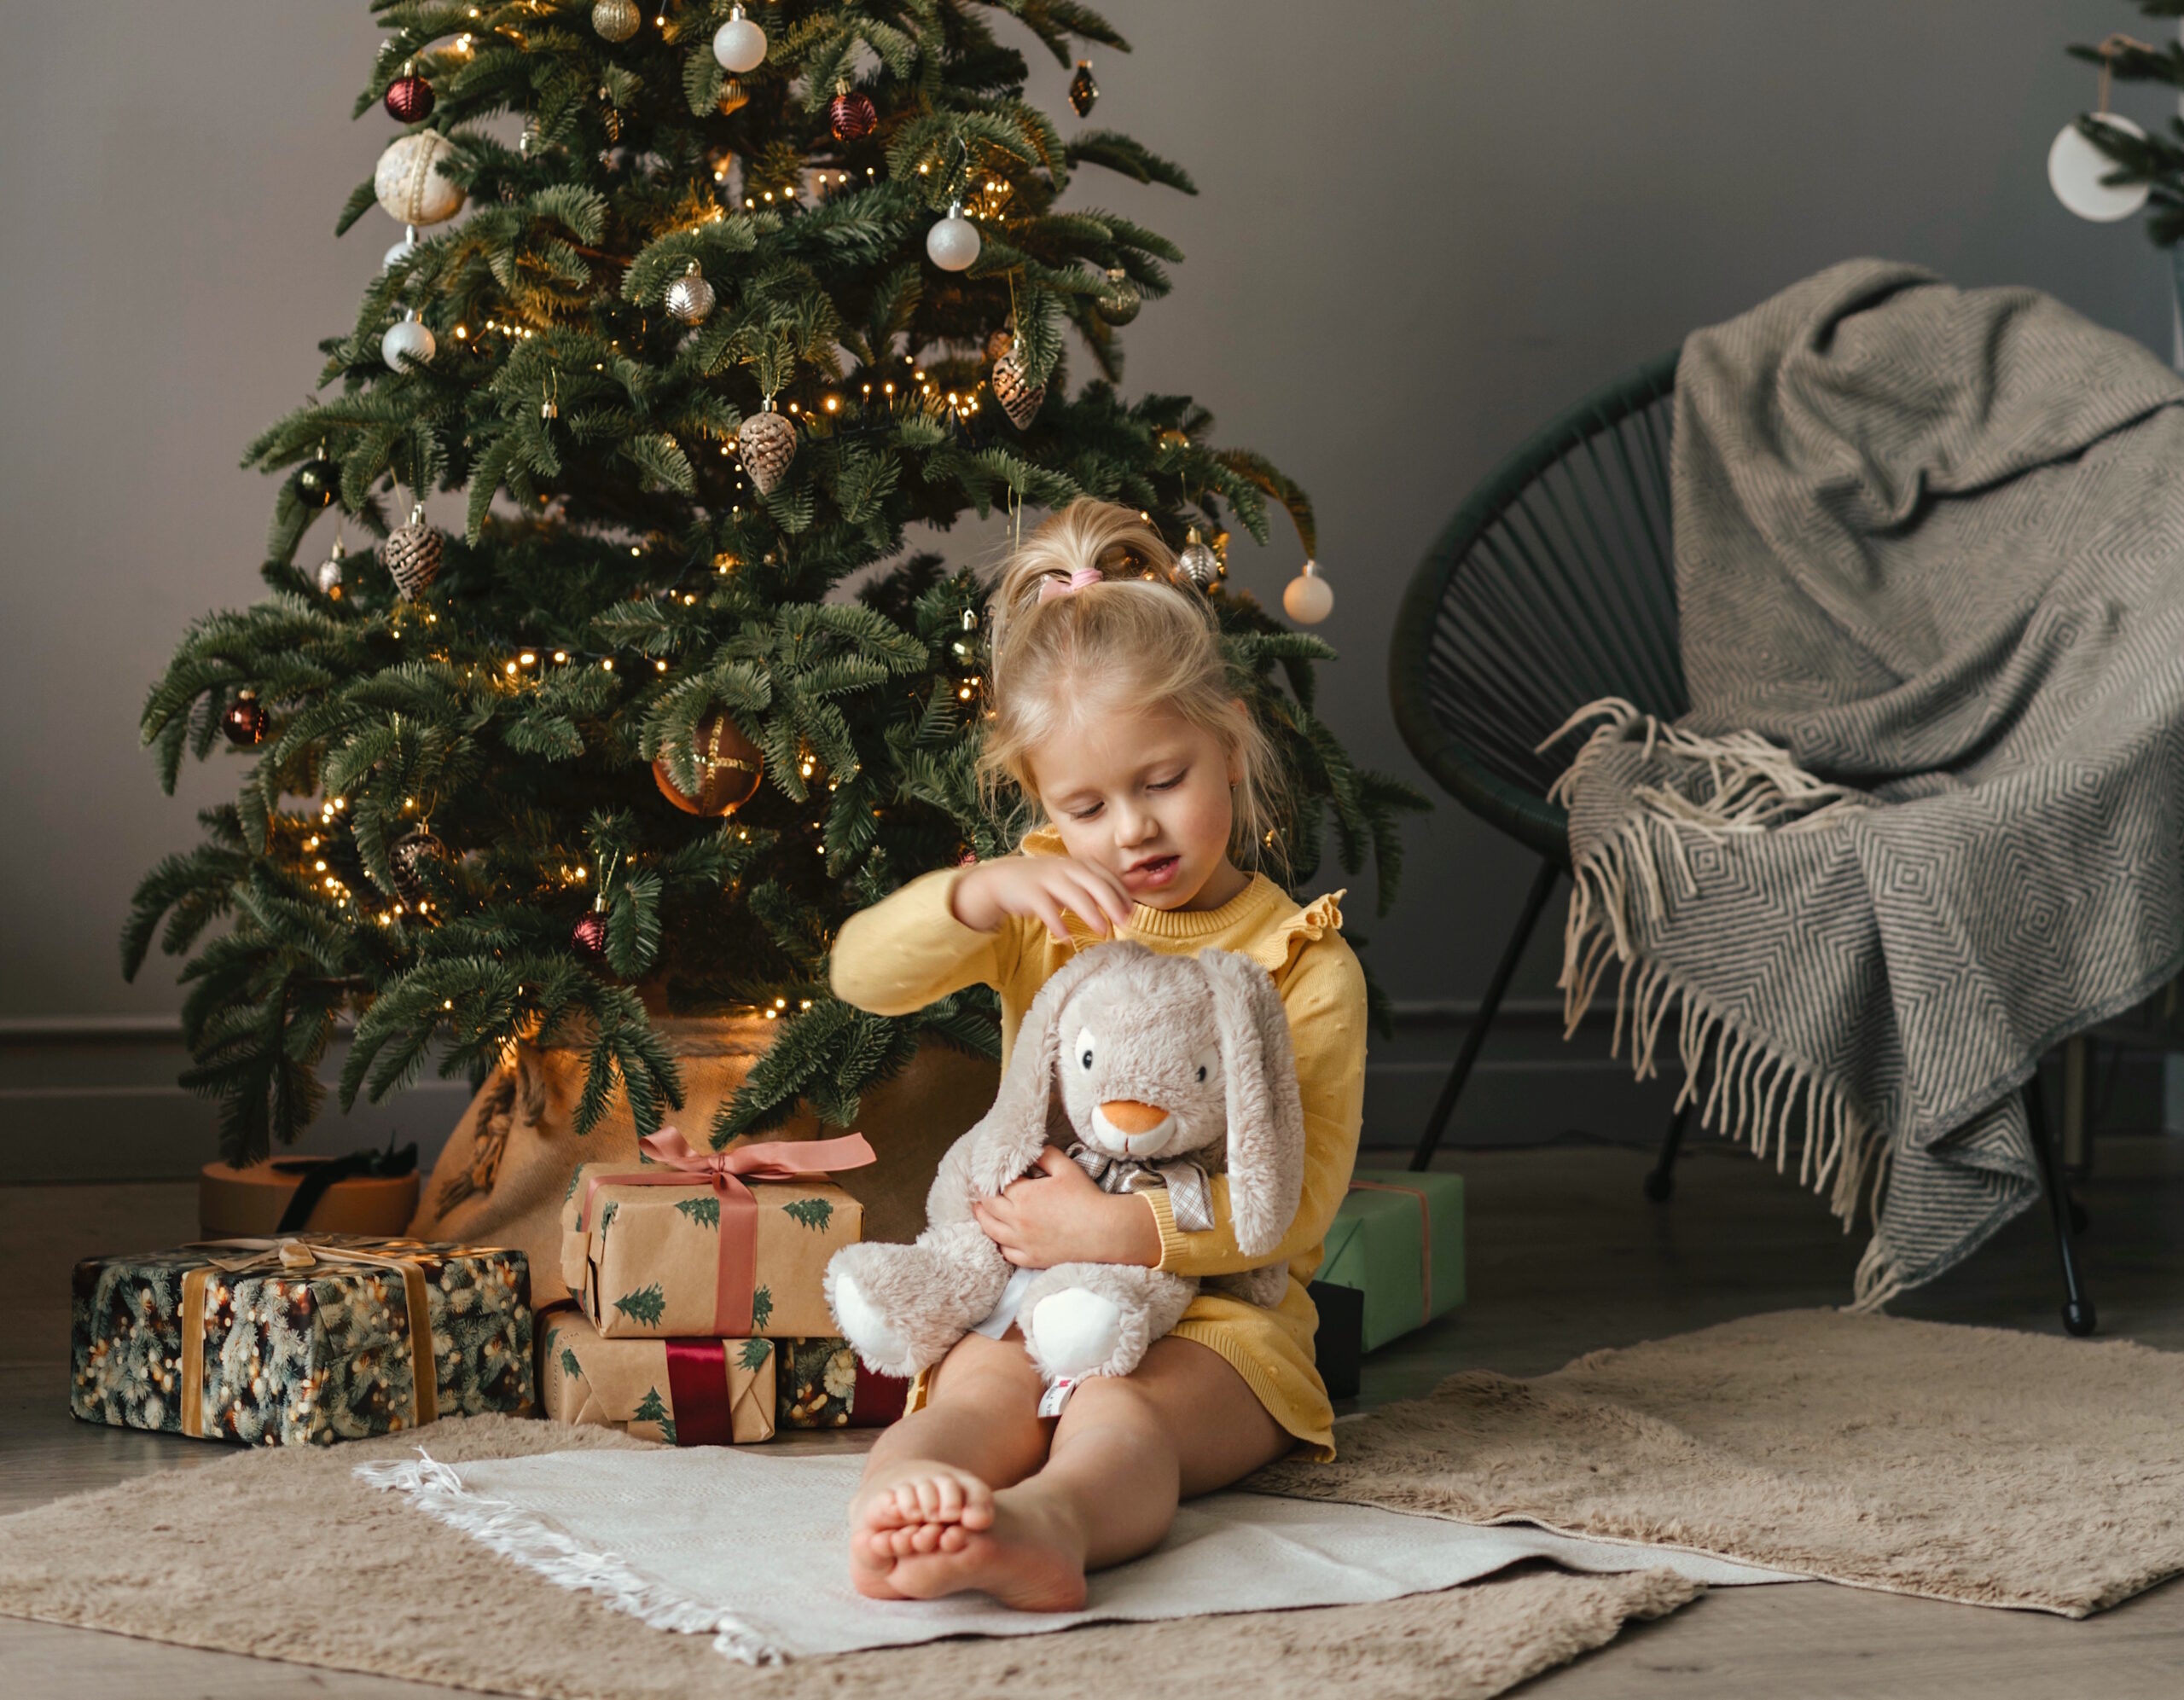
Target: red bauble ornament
x=409 y=98
x=245 y=720
x=588 y=938
x=852 y=114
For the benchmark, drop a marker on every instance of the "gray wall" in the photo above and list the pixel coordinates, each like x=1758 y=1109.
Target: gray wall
x=1422 y=229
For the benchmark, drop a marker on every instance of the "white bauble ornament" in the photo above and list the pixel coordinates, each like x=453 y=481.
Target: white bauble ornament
x=410 y=183
x=1306 y=599
x=407 y=341
x=738 y=43
x=330 y=571
x=2075 y=168
x=953 y=243
x=690 y=298
x=401 y=251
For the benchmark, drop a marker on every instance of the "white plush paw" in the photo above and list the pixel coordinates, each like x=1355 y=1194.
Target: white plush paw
x=864 y=1326
x=1074 y=1330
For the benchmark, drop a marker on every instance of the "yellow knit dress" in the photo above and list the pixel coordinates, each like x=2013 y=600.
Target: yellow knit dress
x=902 y=953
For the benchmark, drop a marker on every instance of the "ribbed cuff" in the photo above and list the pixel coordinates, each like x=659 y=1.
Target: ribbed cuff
x=1173 y=1243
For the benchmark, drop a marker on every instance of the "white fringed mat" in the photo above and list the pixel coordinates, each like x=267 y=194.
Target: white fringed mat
x=750 y=1549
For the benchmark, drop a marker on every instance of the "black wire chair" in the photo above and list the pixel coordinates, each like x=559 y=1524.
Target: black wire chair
x=1554 y=585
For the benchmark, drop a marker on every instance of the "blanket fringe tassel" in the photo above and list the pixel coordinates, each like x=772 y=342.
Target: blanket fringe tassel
x=519 y=1534
x=1625 y=883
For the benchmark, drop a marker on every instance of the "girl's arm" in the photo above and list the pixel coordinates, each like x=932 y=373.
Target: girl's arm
x=1325 y=1000
x=909 y=949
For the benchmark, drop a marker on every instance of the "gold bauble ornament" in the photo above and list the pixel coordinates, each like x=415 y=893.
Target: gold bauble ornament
x=729 y=768
x=615 y=20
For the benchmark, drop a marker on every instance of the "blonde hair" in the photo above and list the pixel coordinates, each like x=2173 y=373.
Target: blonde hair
x=1142 y=635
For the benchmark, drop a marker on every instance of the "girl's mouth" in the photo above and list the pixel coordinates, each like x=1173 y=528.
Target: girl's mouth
x=1151 y=876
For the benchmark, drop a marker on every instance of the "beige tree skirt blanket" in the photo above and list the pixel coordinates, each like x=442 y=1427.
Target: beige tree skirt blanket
x=285 y=1554
x=1972 y=1465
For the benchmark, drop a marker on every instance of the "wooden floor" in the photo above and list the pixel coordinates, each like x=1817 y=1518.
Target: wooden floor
x=1566 y=1257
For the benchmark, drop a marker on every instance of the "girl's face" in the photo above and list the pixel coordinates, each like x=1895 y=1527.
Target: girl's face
x=1145 y=796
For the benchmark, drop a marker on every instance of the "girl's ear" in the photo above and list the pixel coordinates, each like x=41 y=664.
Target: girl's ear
x=1266 y=1118
x=1008 y=1137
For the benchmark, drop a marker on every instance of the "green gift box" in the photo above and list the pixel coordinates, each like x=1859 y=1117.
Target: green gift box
x=1398 y=1239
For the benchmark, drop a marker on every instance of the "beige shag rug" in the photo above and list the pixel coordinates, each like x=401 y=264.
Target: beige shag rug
x=286 y=1555
x=1970 y=1465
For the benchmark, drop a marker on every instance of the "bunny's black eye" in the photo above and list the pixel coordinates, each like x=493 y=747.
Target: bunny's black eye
x=1201 y=1070
x=1086 y=1060
x=1084 y=1047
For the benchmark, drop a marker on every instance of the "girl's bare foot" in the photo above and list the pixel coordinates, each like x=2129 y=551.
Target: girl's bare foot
x=1026 y=1552
x=919 y=1507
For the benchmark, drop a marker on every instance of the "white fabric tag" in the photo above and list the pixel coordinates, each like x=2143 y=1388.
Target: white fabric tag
x=1002 y=1316
x=1052 y=1401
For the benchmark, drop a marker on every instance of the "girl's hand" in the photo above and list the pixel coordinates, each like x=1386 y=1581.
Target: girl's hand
x=1057 y=1215
x=1042 y=886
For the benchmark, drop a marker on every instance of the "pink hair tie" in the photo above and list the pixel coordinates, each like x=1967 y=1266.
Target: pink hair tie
x=1051 y=587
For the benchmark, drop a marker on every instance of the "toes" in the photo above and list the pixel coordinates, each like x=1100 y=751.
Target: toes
x=953 y=1539
x=948 y=1498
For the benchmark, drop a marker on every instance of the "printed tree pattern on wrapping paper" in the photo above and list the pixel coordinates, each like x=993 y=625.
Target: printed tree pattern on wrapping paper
x=762 y=1307
x=814 y=1213
x=646 y=1305
x=653 y=1409
x=575 y=1176
x=704 y=1211
x=570 y=1366
x=754 y=1353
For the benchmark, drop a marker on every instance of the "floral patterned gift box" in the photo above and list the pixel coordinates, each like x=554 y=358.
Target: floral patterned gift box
x=728 y=1244
x=824 y=1386
x=309 y=1339
x=685 y=1392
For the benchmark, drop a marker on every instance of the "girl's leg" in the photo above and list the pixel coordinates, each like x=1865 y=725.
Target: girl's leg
x=1125 y=1449
x=930 y=1476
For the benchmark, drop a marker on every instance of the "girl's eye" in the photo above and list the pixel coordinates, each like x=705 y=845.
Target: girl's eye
x=1084 y=814
x=1168 y=784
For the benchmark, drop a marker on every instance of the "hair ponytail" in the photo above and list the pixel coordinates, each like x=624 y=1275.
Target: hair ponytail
x=1138 y=634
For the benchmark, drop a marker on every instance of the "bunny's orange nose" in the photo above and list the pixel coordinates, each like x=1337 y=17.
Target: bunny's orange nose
x=1127 y=1117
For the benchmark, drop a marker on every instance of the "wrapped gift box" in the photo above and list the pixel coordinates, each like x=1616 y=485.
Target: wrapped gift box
x=681 y=1249
x=1398 y=1239
x=685 y=1392
x=310 y=1339
x=824 y=1386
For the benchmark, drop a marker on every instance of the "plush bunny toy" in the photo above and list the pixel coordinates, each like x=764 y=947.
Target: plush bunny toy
x=1170 y=1068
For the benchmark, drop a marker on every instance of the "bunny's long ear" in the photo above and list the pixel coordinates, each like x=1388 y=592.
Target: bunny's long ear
x=1008 y=1137
x=1266 y=1120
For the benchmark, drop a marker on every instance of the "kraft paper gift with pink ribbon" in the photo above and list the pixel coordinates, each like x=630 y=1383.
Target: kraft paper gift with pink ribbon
x=730 y=1245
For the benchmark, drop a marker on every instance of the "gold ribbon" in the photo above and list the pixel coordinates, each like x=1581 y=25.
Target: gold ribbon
x=293 y=1254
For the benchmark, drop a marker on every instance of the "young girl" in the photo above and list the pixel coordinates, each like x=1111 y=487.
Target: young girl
x=1114 y=716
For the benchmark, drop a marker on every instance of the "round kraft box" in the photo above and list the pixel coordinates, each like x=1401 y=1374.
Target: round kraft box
x=234 y=1202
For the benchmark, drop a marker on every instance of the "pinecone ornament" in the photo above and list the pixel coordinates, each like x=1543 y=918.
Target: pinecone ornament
x=768 y=443
x=1001 y=341
x=412 y=553
x=588 y=938
x=1020 y=399
x=410 y=858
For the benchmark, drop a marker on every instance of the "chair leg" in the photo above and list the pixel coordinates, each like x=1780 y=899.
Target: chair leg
x=1437 y=1122
x=2078 y=1317
x=1660 y=1179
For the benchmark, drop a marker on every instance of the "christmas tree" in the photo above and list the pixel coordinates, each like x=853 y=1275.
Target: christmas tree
x=732 y=304
x=2156 y=159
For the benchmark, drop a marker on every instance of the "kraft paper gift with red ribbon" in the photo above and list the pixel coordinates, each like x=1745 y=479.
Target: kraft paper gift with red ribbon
x=685 y=1392
x=730 y=1245
x=1398 y=1238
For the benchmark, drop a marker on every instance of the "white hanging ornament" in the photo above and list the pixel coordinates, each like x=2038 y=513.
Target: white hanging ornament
x=329 y=573
x=408 y=341
x=402 y=250
x=2075 y=168
x=690 y=298
x=738 y=43
x=953 y=243
x=1306 y=599
x=409 y=182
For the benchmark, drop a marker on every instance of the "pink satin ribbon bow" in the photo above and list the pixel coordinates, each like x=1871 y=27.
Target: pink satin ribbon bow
x=676 y=1164
x=1050 y=588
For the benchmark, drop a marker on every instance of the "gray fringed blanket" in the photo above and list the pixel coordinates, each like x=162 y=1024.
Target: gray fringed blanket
x=1925 y=816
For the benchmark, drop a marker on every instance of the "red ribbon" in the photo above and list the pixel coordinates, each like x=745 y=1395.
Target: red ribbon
x=676 y=1164
x=697 y=1380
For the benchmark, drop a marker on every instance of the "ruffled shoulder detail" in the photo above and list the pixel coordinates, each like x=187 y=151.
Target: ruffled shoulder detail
x=1041 y=841
x=1317 y=918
